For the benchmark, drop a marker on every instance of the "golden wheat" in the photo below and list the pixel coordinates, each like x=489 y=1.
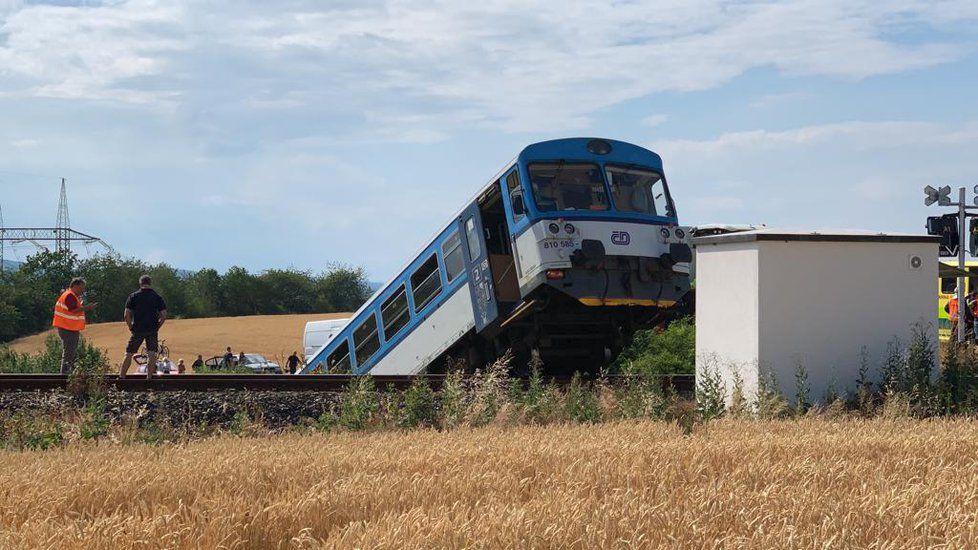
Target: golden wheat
x=732 y=484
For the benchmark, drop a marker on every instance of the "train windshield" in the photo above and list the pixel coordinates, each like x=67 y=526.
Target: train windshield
x=564 y=186
x=639 y=190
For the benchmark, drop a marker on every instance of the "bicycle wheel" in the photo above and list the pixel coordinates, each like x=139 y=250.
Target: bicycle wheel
x=140 y=359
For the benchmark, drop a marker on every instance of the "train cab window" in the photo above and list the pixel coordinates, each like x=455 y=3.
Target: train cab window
x=639 y=190
x=338 y=362
x=563 y=186
x=472 y=238
x=452 y=252
x=394 y=313
x=366 y=339
x=426 y=283
x=516 y=195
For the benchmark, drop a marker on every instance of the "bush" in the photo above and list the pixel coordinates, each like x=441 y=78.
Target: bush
x=581 y=402
x=489 y=391
x=652 y=352
x=711 y=392
x=419 y=405
x=452 y=401
x=358 y=404
x=49 y=360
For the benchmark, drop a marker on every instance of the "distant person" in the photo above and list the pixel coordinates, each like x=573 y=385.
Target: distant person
x=164 y=366
x=951 y=307
x=181 y=367
x=292 y=362
x=69 y=319
x=145 y=314
x=228 y=358
x=241 y=358
x=198 y=363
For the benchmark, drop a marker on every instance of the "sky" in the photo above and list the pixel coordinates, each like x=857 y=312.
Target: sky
x=301 y=133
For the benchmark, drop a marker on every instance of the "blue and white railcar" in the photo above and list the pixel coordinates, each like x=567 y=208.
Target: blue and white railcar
x=569 y=250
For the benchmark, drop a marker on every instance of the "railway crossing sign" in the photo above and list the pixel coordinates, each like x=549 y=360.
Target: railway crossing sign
x=941 y=196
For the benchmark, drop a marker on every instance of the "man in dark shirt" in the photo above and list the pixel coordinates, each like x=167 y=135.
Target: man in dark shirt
x=228 y=358
x=293 y=362
x=145 y=314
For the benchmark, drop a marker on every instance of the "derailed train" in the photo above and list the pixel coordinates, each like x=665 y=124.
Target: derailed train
x=570 y=249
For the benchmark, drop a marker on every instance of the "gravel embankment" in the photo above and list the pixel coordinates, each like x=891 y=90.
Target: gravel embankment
x=274 y=408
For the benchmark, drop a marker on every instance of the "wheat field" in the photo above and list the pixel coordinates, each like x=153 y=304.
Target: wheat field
x=274 y=336
x=731 y=484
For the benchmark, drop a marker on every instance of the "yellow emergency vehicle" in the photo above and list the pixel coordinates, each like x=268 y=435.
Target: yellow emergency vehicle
x=947 y=283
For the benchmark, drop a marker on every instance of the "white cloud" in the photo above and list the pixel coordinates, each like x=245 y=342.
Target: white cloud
x=854 y=174
x=503 y=63
x=655 y=120
x=770 y=100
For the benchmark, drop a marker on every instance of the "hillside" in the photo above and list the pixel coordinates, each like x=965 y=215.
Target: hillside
x=274 y=336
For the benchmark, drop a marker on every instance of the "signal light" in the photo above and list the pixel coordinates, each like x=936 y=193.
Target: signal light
x=555 y=274
x=554 y=228
x=569 y=228
x=664 y=232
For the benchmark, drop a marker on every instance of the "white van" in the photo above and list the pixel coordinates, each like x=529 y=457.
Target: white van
x=319 y=333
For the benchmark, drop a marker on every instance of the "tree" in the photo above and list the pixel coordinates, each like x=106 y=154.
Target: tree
x=110 y=281
x=287 y=291
x=204 y=294
x=239 y=292
x=341 y=288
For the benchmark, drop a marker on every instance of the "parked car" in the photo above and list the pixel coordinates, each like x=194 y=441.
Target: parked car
x=253 y=361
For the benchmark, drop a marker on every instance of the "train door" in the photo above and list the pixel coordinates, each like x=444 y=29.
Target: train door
x=476 y=252
x=514 y=205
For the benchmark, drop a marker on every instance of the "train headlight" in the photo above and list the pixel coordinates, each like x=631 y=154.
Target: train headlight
x=680 y=233
x=555 y=274
x=554 y=228
x=569 y=228
x=664 y=232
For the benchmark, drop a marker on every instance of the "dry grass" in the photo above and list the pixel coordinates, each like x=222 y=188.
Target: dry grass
x=274 y=336
x=744 y=484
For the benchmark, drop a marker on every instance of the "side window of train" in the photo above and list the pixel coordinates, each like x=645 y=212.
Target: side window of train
x=366 y=340
x=394 y=313
x=452 y=252
x=516 y=195
x=338 y=362
x=472 y=238
x=425 y=283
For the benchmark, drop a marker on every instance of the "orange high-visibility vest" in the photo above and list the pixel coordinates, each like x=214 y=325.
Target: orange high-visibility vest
x=67 y=319
x=952 y=308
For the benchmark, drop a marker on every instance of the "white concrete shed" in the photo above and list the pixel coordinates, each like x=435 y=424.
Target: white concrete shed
x=769 y=300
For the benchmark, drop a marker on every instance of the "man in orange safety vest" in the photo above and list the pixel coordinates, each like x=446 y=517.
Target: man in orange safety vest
x=69 y=319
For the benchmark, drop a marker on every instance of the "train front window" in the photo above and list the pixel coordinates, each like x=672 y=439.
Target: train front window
x=639 y=190
x=562 y=186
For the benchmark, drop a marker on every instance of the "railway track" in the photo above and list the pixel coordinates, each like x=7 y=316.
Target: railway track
x=682 y=384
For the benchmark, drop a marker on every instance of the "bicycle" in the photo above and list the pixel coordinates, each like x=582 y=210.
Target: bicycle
x=143 y=357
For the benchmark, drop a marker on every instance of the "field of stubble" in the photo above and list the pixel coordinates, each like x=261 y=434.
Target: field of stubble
x=753 y=484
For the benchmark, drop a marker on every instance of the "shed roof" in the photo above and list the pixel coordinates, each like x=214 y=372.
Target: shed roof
x=815 y=235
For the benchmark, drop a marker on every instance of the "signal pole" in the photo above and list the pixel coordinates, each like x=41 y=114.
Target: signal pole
x=942 y=197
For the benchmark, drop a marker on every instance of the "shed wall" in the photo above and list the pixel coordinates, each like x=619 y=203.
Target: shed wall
x=727 y=312
x=821 y=304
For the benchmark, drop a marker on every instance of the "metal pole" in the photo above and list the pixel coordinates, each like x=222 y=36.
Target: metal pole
x=962 y=234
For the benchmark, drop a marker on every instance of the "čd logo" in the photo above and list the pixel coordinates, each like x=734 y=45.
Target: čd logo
x=621 y=238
